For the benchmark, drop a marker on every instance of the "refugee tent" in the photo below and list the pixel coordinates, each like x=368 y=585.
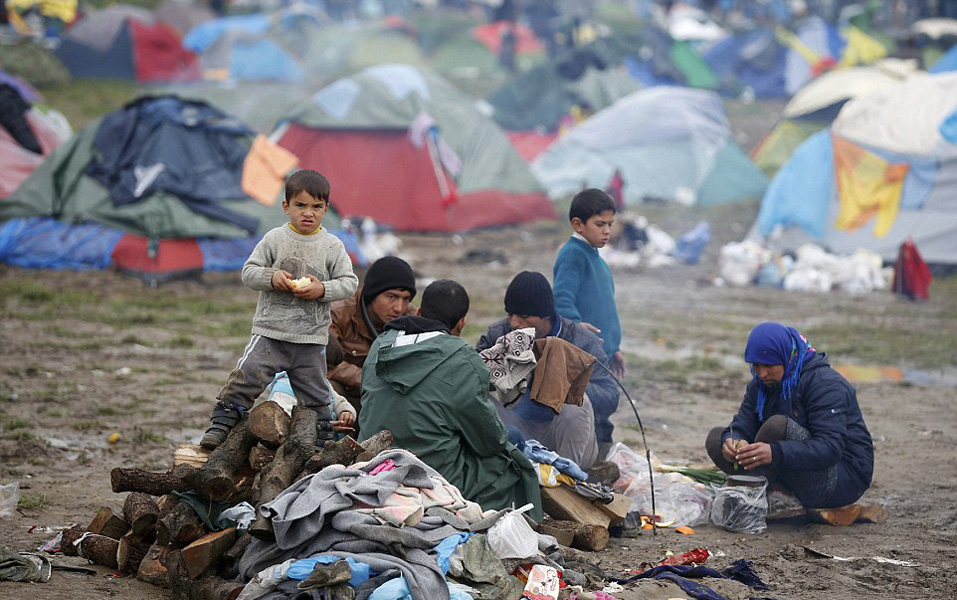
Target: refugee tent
x=752 y=60
x=34 y=63
x=157 y=188
x=668 y=143
x=341 y=49
x=183 y=15
x=816 y=105
x=933 y=37
x=27 y=135
x=254 y=47
x=125 y=42
x=539 y=98
x=884 y=172
x=406 y=148
x=661 y=60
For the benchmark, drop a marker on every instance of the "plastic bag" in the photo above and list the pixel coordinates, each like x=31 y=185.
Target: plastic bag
x=686 y=502
x=677 y=497
x=9 y=498
x=740 y=508
x=512 y=537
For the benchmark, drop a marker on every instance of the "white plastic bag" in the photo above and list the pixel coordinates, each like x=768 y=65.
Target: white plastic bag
x=9 y=498
x=512 y=537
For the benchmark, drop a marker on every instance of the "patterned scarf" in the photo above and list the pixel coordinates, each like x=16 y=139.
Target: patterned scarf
x=776 y=344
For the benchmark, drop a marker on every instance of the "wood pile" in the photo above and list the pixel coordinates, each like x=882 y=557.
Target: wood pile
x=161 y=540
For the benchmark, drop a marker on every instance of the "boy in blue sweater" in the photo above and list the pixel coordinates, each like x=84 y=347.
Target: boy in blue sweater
x=582 y=283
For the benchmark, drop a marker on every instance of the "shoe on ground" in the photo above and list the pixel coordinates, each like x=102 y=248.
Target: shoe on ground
x=214 y=437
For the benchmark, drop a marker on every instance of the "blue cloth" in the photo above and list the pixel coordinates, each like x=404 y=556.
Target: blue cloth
x=398 y=589
x=776 y=344
x=536 y=452
x=584 y=291
x=446 y=548
x=302 y=568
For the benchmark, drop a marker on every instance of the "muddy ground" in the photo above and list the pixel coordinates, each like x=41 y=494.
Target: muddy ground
x=86 y=355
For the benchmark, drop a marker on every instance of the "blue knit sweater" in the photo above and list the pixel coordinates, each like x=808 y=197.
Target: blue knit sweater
x=585 y=291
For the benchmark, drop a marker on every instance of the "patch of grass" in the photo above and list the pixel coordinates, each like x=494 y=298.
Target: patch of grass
x=147 y=436
x=52 y=412
x=32 y=501
x=182 y=340
x=86 y=425
x=109 y=411
x=887 y=343
x=14 y=424
x=20 y=435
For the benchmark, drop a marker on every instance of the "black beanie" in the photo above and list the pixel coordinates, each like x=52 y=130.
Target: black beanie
x=529 y=294
x=387 y=273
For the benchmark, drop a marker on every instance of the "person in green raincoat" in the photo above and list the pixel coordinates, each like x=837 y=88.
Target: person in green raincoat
x=426 y=385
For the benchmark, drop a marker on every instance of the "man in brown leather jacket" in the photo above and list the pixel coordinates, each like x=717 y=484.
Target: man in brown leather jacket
x=386 y=293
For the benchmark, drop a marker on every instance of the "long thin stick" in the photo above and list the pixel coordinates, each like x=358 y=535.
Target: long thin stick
x=641 y=428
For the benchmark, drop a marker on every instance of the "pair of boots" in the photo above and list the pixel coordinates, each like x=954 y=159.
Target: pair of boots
x=226 y=415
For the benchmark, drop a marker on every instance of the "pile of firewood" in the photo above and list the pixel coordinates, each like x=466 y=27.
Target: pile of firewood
x=160 y=539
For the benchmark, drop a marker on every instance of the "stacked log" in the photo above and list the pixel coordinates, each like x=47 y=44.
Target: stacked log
x=162 y=540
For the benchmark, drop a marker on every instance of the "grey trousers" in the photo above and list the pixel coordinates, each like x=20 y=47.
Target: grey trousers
x=571 y=433
x=305 y=364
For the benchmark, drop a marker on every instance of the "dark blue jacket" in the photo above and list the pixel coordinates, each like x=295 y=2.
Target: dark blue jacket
x=602 y=390
x=826 y=405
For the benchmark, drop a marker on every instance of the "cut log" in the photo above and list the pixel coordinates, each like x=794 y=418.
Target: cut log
x=374 y=445
x=563 y=533
x=236 y=551
x=290 y=460
x=617 y=509
x=341 y=452
x=181 y=526
x=107 y=523
x=153 y=568
x=166 y=503
x=269 y=422
x=99 y=549
x=200 y=555
x=180 y=479
x=141 y=512
x=71 y=535
x=130 y=553
x=190 y=454
x=564 y=503
x=260 y=456
x=222 y=472
x=208 y=587
x=591 y=537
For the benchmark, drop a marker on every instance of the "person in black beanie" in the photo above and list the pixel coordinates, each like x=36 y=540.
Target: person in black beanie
x=386 y=293
x=582 y=434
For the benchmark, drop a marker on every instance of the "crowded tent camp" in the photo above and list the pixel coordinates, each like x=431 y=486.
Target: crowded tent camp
x=478 y=299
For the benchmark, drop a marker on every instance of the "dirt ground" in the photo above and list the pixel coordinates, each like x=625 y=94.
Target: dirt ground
x=86 y=355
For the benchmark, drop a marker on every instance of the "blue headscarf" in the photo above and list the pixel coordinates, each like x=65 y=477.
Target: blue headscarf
x=777 y=344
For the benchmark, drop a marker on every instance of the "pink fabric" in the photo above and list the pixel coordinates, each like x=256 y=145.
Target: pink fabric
x=386 y=465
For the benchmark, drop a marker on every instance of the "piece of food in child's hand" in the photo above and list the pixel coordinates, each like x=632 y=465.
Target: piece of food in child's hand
x=301 y=282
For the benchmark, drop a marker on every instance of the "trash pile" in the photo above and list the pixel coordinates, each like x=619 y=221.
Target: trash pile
x=635 y=241
x=811 y=269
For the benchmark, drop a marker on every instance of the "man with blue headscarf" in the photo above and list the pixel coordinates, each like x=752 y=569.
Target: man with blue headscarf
x=799 y=424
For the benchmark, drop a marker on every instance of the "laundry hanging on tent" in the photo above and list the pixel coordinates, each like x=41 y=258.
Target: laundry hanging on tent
x=265 y=169
x=867 y=186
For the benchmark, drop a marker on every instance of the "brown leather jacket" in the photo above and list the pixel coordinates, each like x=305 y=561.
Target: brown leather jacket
x=351 y=329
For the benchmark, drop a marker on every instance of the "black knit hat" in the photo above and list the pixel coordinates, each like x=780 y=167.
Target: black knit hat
x=387 y=273
x=529 y=294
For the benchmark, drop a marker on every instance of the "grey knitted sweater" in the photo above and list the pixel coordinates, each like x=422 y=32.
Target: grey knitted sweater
x=281 y=315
